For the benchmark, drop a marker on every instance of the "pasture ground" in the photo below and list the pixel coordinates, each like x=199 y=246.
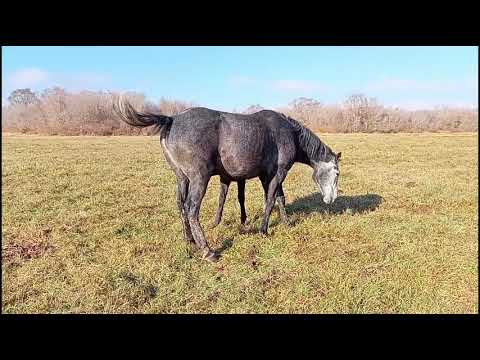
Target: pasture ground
x=90 y=225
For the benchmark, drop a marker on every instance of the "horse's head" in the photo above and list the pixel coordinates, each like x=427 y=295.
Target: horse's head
x=325 y=175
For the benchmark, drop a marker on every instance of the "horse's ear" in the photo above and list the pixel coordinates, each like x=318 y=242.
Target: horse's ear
x=339 y=155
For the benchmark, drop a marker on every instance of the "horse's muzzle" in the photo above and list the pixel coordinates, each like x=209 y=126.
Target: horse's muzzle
x=328 y=200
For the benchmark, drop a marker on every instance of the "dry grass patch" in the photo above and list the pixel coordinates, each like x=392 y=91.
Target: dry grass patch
x=90 y=224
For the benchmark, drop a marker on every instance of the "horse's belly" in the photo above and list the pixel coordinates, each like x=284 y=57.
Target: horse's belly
x=243 y=166
x=241 y=148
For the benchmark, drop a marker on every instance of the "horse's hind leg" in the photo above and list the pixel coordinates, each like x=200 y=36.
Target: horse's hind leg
x=281 y=205
x=265 y=183
x=224 y=184
x=196 y=192
x=182 y=192
x=241 y=200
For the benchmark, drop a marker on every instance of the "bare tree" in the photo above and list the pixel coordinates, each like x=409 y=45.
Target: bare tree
x=173 y=107
x=23 y=97
x=57 y=111
x=361 y=112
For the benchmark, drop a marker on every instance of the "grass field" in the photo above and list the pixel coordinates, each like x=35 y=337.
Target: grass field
x=90 y=224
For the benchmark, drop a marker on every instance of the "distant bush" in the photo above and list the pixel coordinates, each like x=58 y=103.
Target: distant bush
x=359 y=113
x=58 y=112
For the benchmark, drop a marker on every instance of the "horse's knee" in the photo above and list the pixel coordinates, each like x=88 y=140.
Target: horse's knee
x=181 y=203
x=192 y=211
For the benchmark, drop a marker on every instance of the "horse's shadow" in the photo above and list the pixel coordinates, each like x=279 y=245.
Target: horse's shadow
x=227 y=244
x=343 y=204
x=314 y=204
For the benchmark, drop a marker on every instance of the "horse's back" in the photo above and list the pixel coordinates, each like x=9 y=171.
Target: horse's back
x=238 y=146
x=251 y=145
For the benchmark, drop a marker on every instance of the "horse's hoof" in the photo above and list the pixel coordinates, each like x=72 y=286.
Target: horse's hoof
x=191 y=249
x=246 y=230
x=210 y=256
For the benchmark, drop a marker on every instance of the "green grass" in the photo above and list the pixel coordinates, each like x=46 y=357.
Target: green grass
x=90 y=224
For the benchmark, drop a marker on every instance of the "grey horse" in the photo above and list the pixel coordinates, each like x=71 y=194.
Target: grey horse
x=200 y=143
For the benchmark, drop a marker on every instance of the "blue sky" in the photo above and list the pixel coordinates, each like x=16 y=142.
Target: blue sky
x=231 y=78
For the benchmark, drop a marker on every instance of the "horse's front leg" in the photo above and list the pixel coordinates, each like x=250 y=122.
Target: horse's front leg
x=196 y=192
x=224 y=184
x=271 y=194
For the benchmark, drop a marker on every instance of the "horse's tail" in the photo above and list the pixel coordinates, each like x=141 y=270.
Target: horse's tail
x=128 y=114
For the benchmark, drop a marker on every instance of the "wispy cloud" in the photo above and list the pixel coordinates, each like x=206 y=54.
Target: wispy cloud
x=281 y=85
x=38 y=79
x=408 y=85
x=84 y=81
x=30 y=77
x=416 y=94
x=296 y=86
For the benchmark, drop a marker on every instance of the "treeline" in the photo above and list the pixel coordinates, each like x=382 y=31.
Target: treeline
x=359 y=113
x=58 y=112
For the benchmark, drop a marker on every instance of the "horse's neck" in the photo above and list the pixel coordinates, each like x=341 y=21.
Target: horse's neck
x=303 y=158
x=308 y=144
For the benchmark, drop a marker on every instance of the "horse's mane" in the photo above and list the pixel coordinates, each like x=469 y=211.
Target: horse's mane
x=309 y=142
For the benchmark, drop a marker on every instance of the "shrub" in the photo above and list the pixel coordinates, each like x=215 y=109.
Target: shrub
x=58 y=112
